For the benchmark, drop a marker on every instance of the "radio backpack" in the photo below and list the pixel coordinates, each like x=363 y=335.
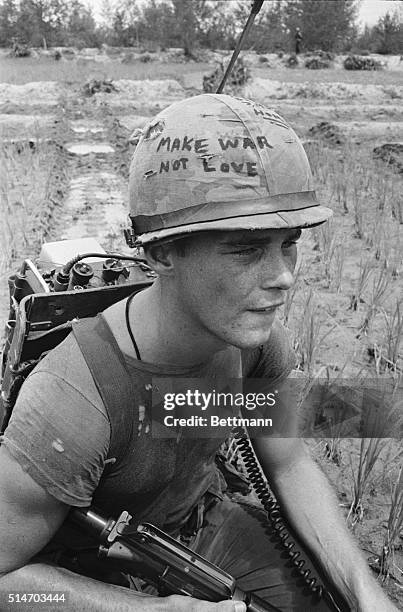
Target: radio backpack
x=50 y=297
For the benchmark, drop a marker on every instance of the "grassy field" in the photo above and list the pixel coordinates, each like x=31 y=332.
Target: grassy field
x=331 y=75
x=24 y=70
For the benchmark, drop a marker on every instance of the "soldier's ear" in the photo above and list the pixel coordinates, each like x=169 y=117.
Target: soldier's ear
x=159 y=257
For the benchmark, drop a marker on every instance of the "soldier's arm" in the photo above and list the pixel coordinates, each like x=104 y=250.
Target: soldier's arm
x=310 y=506
x=29 y=517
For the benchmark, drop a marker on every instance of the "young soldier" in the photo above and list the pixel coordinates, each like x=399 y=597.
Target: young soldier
x=220 y=188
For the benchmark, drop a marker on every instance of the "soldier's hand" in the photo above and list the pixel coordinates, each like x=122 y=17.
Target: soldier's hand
x=189 y=604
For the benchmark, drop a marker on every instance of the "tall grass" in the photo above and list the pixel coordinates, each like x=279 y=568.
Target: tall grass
x=379 y=290
x=338 y=268
x=370 y=449
x=30 y=188
x=22 y=190
x=337 y=426
x=381 y=418
x=393 y=528
x=394 y=334
x=364 y=271
x=309 y=334
x=360 y=186
x=328 y=241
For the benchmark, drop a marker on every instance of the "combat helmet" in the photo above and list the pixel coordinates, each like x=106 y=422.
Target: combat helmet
x=218 y=162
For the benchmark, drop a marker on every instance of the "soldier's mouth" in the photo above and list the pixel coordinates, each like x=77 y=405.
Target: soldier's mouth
x=266 y=309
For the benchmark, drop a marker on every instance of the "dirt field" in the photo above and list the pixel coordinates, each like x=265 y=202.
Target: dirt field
x=63 y=174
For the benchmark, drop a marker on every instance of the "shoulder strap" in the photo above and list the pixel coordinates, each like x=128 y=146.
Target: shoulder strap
x=107 y=366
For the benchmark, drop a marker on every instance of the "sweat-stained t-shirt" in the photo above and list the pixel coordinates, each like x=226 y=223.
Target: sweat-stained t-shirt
x=59 y=432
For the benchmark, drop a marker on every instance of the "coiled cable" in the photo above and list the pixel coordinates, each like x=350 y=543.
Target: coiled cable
x=276 y=520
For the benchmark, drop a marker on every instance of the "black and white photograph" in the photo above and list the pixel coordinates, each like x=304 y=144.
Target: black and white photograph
x=201 y=305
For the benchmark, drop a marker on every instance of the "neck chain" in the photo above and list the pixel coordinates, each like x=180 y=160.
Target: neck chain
x=129 y=329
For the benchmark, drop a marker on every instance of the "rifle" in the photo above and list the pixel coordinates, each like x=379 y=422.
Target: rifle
x=147 y=552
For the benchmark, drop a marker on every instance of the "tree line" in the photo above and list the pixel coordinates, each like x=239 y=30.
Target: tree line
x=329 y=25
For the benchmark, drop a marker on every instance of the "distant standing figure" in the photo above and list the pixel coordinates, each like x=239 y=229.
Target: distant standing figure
x=298 y=39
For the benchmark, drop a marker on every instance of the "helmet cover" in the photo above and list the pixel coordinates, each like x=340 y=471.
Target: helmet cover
x=218 y=162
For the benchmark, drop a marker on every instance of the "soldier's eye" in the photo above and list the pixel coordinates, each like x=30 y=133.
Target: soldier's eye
x=245 y=251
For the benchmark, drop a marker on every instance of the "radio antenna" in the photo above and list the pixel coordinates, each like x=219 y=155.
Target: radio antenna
x=256 y=6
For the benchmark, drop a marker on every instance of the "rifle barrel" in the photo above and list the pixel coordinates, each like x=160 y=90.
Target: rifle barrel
x=89 y=519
